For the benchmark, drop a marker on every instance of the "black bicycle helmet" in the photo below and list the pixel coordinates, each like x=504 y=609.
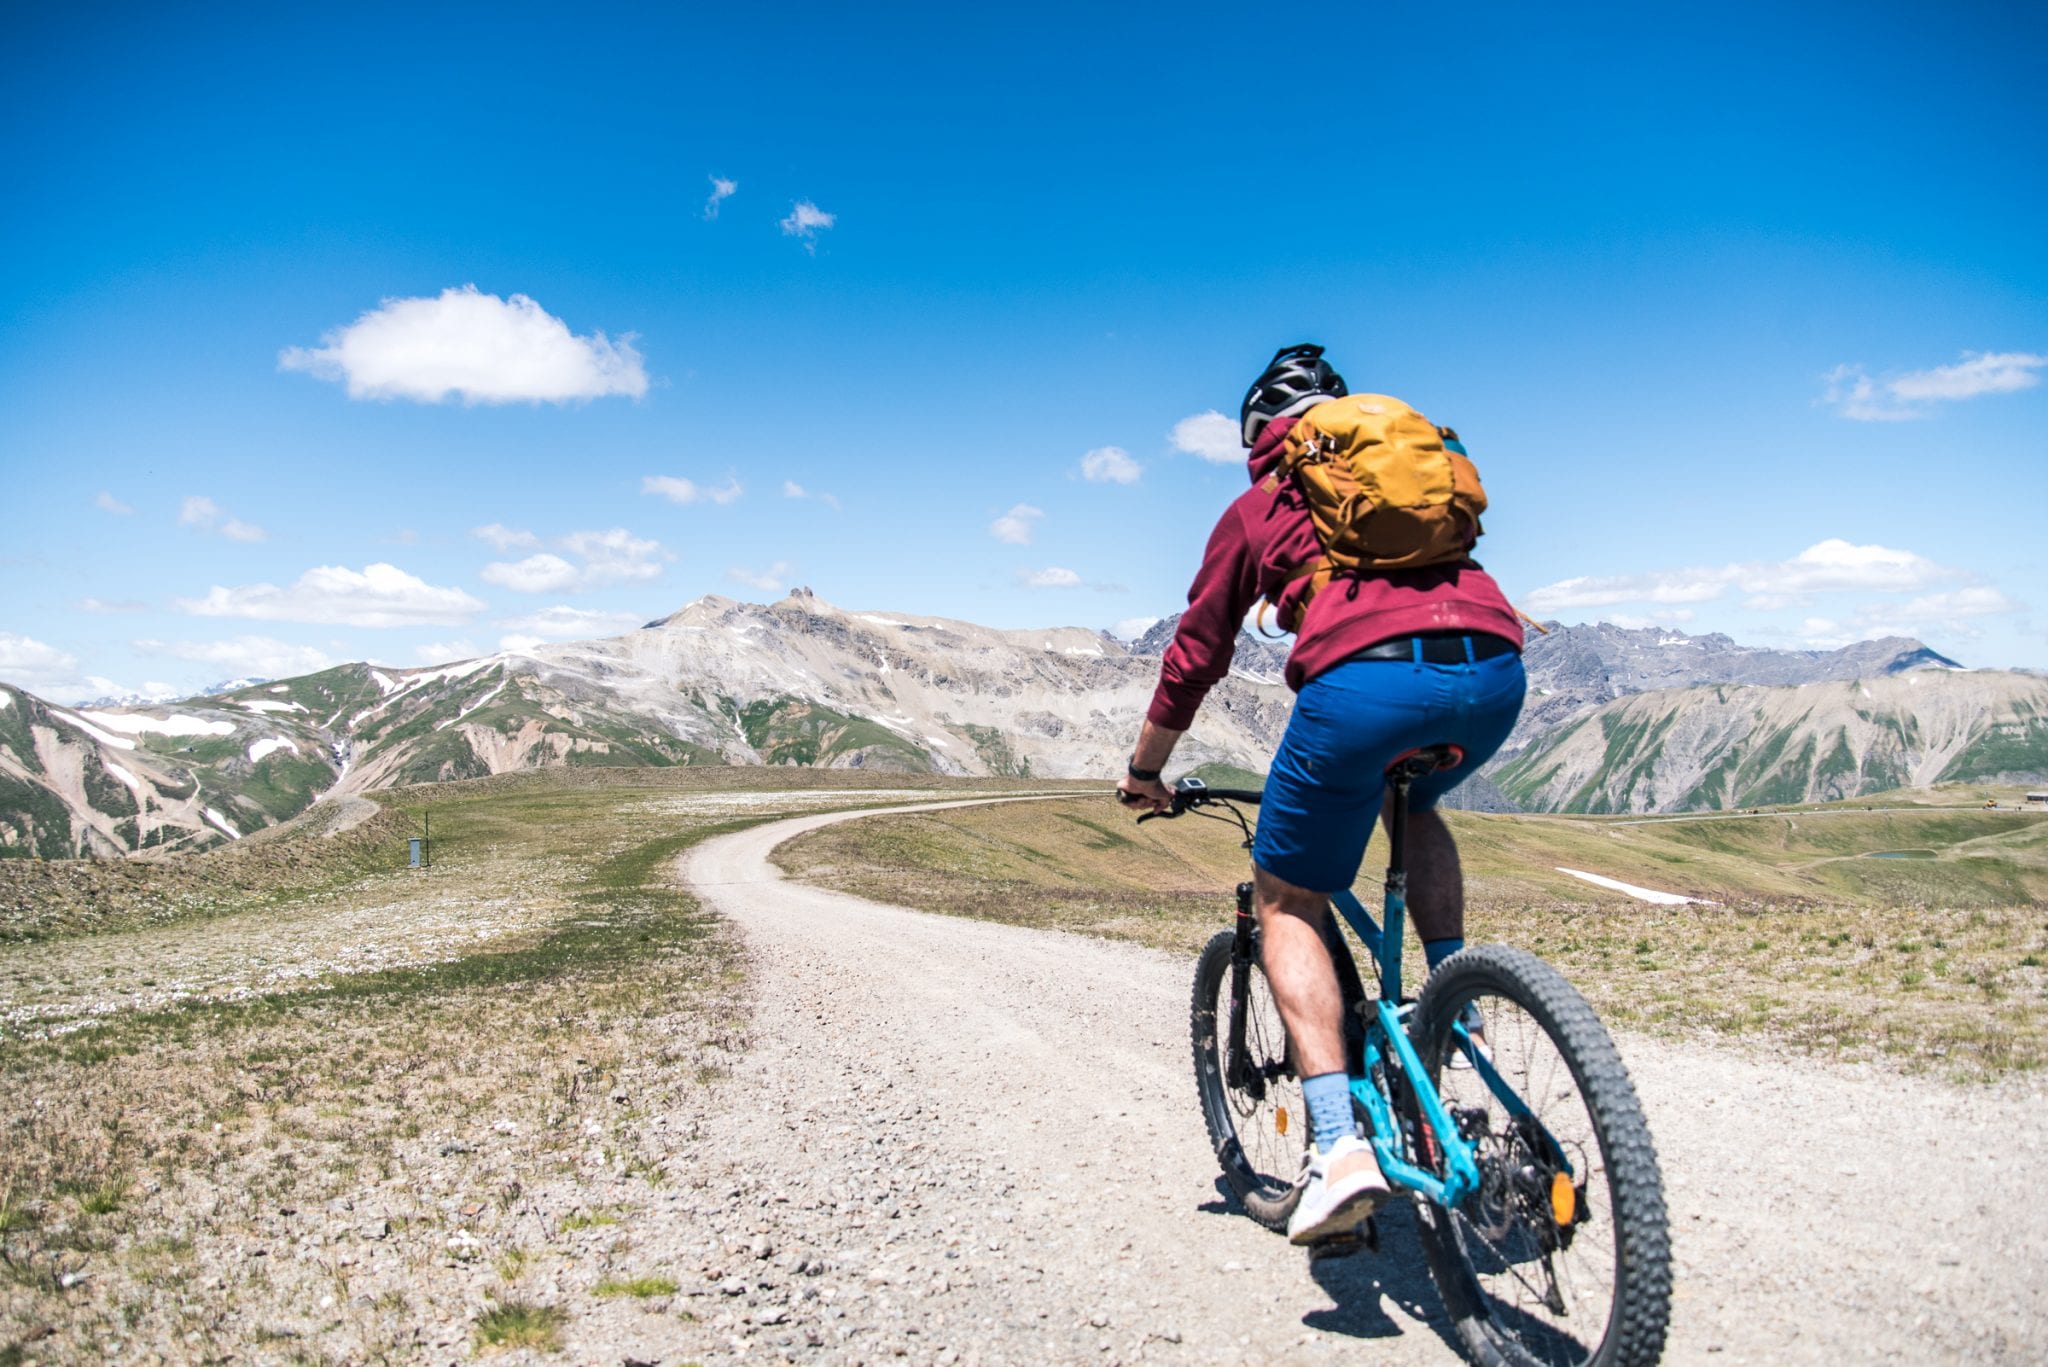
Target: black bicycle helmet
x=1297 y=379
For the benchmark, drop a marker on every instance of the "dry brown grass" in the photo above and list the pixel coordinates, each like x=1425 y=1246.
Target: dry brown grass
x=360 y=1168
x=1933 y=964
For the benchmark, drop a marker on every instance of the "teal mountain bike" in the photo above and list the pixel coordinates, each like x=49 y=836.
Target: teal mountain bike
x=1496 y=1103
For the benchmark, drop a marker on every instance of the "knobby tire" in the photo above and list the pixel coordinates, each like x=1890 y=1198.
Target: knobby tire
x=1482 y=1277
x=1260 y=1160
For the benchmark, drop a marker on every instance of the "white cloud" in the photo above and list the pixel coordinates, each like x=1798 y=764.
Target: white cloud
x=1636 y=622
x=203 y=514
x=1131 y=628
x=2001 y=372
x=1825 y=633
x=721 y=190
x=1896 y=398
x=609 y=557
x=1052 y=577
x=791 y=489
x=502 y=538
x=100 y=607
x=1109 y=465
x=1209 y=435
x=771 y=580
x=1827 y=566
x=41 y=669
x=475 y=345
x=543 y=573
x=379 y=595
x=1596 y=591
x=1836 y=565
x=564 y=623
x=521 y=645
x=806 y=220
x=616 y=556
x=1014 y=528
x=678 y=490
x=1938 y=610
x=441 y=652
x=243 y=656
x=106 y=502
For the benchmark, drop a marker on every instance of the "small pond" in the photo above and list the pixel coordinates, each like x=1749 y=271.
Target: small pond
x=1900 y=854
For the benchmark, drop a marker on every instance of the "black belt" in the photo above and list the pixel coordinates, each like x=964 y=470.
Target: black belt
x=1438 y=648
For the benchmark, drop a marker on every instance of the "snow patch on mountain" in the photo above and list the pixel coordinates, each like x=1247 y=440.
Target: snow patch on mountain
x=103 y=737
x=176 y=724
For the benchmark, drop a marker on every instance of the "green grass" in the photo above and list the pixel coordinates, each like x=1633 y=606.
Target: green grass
x=1220 y=775
x=789 y=730
x=227 y=1111
x=640 y=1288
x=519 y=1324
x=588 y=1219
x=1809 y=943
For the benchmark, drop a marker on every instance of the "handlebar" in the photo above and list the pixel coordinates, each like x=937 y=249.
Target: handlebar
x=1192 y=792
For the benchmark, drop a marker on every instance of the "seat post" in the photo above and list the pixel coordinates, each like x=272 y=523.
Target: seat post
x=1394 y=909
x=1397 y=836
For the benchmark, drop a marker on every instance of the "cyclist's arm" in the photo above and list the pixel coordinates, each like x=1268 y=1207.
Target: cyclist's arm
x=1224 y=590
x=1155 y=747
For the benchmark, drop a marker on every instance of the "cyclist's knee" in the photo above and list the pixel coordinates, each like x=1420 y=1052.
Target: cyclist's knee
x=1277 y=896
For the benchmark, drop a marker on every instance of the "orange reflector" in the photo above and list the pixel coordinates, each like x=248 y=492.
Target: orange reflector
x=1280 y=1120
x=1564 y=1202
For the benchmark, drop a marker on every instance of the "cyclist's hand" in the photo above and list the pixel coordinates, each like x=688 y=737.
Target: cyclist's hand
x=1142 y=794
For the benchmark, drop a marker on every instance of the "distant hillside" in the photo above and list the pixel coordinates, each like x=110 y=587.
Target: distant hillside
x=1576 y=668
x=88 y=781
x=796 y=682
x=1731 y=745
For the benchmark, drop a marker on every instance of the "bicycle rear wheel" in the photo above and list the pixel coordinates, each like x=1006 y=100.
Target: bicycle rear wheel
x=1563 y=1255
x=1251 y=1098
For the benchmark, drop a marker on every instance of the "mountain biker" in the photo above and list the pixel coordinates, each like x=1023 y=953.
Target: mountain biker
x=1382 y=662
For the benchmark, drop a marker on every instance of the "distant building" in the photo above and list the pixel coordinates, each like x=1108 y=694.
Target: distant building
x=2039 y=800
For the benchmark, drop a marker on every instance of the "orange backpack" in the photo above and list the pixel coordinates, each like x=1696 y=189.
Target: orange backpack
x=1386 y=488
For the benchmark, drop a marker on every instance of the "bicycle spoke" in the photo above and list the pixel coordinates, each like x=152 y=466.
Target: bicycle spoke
x=1550 y=1284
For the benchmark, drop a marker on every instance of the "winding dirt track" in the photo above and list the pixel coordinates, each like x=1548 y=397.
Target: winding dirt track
x=1819 y=1214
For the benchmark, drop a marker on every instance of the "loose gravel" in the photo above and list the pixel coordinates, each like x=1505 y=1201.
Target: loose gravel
x=962 y=1141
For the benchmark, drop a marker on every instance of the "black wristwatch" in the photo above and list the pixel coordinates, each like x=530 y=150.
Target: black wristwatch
x=1142 y=775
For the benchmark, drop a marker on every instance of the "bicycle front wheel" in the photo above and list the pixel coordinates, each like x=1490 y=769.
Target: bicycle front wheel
x=1563 y=1255
x=1251 y=1098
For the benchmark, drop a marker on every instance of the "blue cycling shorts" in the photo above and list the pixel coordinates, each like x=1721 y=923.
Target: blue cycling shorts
x=1349 y=723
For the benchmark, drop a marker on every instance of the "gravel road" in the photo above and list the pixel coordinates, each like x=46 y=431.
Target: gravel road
x=989 y=1138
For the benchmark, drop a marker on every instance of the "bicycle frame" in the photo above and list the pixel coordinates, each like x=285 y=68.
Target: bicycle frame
x=1385 y=1031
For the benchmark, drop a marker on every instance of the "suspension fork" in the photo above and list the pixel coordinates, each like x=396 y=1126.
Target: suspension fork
x=1244 y=951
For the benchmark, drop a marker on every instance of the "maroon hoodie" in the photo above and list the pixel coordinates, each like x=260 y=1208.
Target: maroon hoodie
x=1259 y=541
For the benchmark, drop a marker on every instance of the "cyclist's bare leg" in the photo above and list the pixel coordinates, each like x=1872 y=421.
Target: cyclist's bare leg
x=1436 y=880
x=1341 y=1181
x=1299 y=972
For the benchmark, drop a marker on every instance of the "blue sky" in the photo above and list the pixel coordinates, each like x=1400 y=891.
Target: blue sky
x=1743 y=313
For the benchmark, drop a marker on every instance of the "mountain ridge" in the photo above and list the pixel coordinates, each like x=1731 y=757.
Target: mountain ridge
x=718 y=681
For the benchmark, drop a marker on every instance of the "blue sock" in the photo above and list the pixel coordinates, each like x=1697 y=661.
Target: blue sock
x=1435 y=952
x=1329 y=1107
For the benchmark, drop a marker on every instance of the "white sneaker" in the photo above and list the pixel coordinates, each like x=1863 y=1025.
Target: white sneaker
x=1340 y=1188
